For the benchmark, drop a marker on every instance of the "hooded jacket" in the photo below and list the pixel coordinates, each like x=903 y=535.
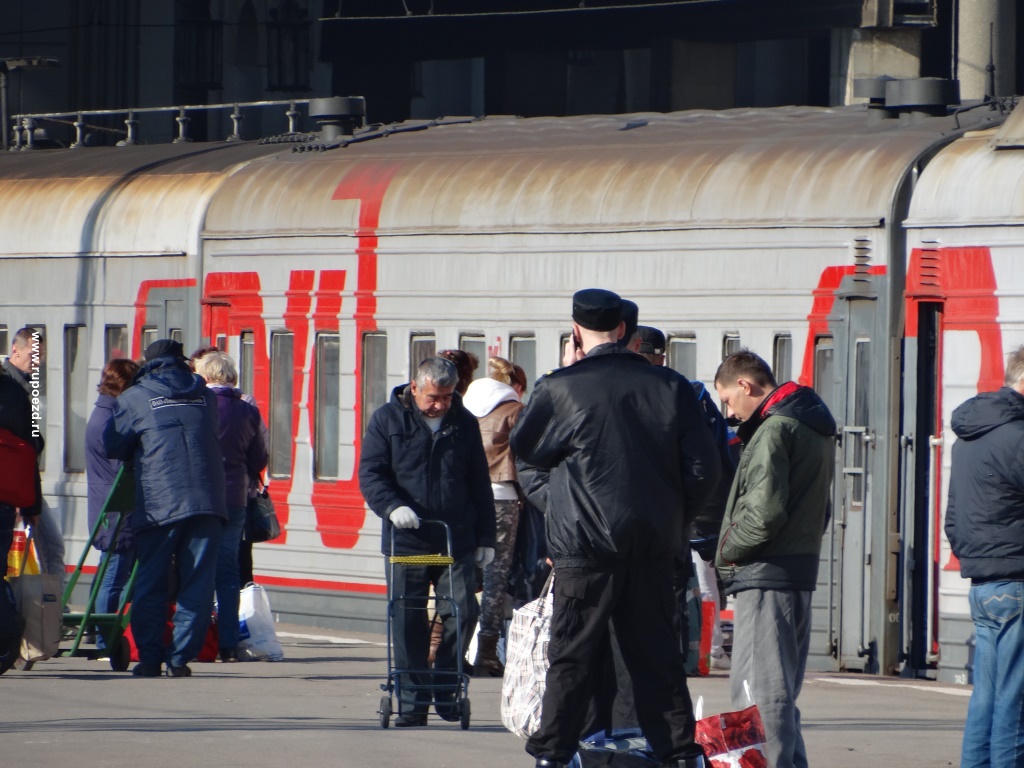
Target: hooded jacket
x=779 y=501
x=100 y=473
x=439 y=475
x=615 y=451
x=985 y=509
x=166 y=425
x=496 y=407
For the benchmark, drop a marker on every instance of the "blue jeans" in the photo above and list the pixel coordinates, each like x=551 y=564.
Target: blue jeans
x=193 y=543
x=994 y=734
x=108 y=598
x=228 y=585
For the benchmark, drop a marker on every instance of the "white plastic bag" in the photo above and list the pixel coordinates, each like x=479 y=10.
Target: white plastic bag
x=526 y=665
x=257 y=638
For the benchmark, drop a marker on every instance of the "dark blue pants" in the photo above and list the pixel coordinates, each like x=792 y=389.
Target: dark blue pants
x=193 y=543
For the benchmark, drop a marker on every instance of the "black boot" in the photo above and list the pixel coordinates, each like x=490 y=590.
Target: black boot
x=487 y=663
x=544 y=762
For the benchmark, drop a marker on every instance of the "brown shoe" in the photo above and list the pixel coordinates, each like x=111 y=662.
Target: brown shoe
x=487 y=663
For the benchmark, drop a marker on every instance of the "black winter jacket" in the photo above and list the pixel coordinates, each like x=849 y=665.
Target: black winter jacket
x=440 y=475
x=616 y=453
x=166 y=423
x=985 y=511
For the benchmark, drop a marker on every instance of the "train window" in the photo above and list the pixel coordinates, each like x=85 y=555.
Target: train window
x=247 y=347
x=176 y=335
x=149 y=335
x=76 y=396
x=221 y=343
x=374 y=374
x=861 y=413
x=730 y=344
x=282 y=370
x=522 y=350
x=5 y=343
x=824 y=370
x=115 y=342
x=328 y=405
x=682 y=355
x=476 y=345
x=782 y=358
x=562 y=341
x=421 y=346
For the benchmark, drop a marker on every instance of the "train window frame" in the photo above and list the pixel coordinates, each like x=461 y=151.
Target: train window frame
x=5 y=342
x=824 y=347
x=475 y=344
x=327 y=406
x=76 y=395
x=373 y=376
x=246 y=360
x=529 y=365
x=782 y=357
x=731 y=343
x=115 y=339
x=420 y=340
x=147 y=335
x=675 y=344
x=282 y=385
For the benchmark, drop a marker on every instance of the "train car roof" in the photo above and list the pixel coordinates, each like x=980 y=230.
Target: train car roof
x=140 y=200
x=978 y=181
x=780 y=167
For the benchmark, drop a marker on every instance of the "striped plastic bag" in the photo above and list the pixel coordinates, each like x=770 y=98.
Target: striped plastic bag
x=526 y=664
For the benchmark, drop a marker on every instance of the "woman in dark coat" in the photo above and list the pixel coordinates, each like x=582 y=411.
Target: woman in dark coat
x=245 y=456
x=100 y=474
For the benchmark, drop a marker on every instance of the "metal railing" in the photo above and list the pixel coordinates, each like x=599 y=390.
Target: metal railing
x=25 y=124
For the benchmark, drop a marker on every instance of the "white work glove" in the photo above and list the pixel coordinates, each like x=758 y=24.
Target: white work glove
x=404 y=517
x=483 y=556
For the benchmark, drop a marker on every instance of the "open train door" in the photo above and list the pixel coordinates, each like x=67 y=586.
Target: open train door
x=858 y=552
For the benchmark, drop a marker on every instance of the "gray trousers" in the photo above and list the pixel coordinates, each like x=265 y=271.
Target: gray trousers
x=771 y=638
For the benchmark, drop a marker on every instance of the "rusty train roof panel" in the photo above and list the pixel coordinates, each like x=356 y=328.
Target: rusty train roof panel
x=779 y=167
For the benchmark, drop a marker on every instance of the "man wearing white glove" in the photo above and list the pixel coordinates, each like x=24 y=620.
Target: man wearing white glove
x=423 y=461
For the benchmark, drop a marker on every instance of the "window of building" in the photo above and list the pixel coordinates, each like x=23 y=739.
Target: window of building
x=782 y=358
x=247 y=350
x=421 y=346
x=374 y=375
x=115 y=342
x=327 y=406
x=289 y=54
x=475 y=345
x=198 y=47
x=681 y=354
x=76 y=396
x=522 y=350
x=282 y=370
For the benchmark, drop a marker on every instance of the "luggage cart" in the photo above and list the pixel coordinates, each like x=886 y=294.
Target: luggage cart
x=439 y=680
x=120 y=500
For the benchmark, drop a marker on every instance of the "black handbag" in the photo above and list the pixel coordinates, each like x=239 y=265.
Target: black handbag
x=261 y=522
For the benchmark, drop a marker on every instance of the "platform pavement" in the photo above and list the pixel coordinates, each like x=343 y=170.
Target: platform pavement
x=318 y=708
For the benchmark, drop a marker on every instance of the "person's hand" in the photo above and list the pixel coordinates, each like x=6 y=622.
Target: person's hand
x=404 y=517
x=483 y=556
x=571 y=353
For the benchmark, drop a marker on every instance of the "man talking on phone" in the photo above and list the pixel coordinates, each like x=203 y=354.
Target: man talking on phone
x=615 y=452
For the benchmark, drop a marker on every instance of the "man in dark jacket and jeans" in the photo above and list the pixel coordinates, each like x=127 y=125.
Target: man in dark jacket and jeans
x=423 y=459
x=166 y=426
x=985 y=527
x=615 y=452
x=770 y=541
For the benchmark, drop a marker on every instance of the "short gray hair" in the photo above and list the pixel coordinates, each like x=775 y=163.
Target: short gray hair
x=442 y=373
x=1014 y=368
x=217 y=368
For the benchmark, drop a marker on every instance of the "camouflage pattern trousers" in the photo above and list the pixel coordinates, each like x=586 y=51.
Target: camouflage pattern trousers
x=492 y=602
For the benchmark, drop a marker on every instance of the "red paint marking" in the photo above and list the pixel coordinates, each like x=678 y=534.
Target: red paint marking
x=141 y=306
x=330 y=586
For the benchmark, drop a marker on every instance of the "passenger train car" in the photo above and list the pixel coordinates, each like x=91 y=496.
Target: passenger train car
x=878 y=260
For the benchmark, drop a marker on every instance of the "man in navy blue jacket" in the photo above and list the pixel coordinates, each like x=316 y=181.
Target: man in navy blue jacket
x=985 y=527
x=166 y=425
x=422 y=457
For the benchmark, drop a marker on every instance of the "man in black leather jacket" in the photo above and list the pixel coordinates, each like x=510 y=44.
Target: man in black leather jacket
x=615 y=451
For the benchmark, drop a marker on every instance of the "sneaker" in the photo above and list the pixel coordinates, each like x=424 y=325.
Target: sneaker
x=142 y=669
x=182 y=671
x=721 y=662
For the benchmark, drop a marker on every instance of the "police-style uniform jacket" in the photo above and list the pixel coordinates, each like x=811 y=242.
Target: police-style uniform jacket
x=166 y=425
x=439 y=475
x=779 y=502
x=985 y=512
x=616 y=453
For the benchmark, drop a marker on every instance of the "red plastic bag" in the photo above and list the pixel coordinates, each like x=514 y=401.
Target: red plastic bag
x=733 y=739
x=208 y=652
